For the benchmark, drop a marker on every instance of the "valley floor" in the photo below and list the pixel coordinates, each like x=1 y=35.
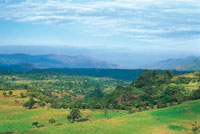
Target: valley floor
x=173 y=120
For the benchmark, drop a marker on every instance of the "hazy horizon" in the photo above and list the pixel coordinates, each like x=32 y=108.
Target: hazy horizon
x=117 y=58
x=128 y=32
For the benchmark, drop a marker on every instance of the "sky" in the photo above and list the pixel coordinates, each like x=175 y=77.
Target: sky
x=130 y=32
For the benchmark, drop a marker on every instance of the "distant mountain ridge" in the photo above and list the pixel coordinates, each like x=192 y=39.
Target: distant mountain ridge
x=190 y=63
x=55 y=61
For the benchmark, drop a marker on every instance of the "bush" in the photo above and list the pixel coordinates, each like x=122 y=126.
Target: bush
x=161 y=105
x=35 y=124
x=21 y=95
x=4 y=93
x=29 y=104
x=133 y=110
x=10 y=93
x=41 y=103
x=75 y=114
x=52 y=120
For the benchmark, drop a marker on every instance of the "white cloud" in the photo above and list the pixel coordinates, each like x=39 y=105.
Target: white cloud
x=135 y=18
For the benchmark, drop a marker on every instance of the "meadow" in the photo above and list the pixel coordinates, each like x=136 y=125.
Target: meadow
x=15 y=119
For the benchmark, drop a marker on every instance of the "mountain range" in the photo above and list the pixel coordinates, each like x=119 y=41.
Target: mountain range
x=53 y=61
x=190 y=63
x=25 y=62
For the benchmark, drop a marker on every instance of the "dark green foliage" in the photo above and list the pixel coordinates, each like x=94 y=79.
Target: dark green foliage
x=182 y=80
x=177 y=128
x=52 y=120
x=10 y=93
x=29 y=104
x=74 y=115
x=106 y=113
x=59 y=103
x=4 y=93
x=173 y=94
x=41 y=103
x=161 y=105
x=97 y=93
x=196 y=94
x=36 y=123
x=151 y=89
x=22 y=95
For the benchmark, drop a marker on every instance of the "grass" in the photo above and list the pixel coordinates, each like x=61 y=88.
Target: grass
x=173 y=120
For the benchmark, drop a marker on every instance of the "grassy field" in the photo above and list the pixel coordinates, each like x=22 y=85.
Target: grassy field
x=173 y=120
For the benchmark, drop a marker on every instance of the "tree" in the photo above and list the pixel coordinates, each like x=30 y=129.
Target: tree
x=10 y=93
x=21 y=95
x=41 y=103
x=4 y=93
x=196 y=94
x=52 y=120
x=35 y=124
x=169 y=73
x=74 y=114
x=106 y=113
x=96 y=93
x=29 y=104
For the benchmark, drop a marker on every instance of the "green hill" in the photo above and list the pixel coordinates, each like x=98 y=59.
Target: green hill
x=155 y=103
x=14 y=119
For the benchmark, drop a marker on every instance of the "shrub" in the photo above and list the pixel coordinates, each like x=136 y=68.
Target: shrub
x=133 y=110
x=161 y=105
x=21 y=95
x=10 y=93
x=75 y=114
x=35 y=124
x=4 y=93
x=29 y=104
x=41 y=103
x=52 y=120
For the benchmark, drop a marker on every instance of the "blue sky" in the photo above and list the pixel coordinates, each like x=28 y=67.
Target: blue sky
x=151 y=29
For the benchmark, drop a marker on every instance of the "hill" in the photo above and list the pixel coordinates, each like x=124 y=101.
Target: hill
x=181 y=64
x=54 y=61
x=191 y=65
x=15 y=119
x=156 y=102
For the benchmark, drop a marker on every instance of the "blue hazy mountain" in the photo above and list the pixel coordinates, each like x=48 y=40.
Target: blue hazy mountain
x=184 y=64
x=54 y=61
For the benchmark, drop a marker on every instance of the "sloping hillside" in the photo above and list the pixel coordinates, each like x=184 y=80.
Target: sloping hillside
x=14 y=119
x=191 y=65
x=181 y=64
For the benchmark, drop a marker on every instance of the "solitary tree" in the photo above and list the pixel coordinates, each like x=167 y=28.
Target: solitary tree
x=74 y=114
x=10 y=93
x=29 y=104
x=106 y=113
x=35 y=124
x=21 y=95
x=4 y=93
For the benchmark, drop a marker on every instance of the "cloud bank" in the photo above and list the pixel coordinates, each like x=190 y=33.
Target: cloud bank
x=139 y=19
